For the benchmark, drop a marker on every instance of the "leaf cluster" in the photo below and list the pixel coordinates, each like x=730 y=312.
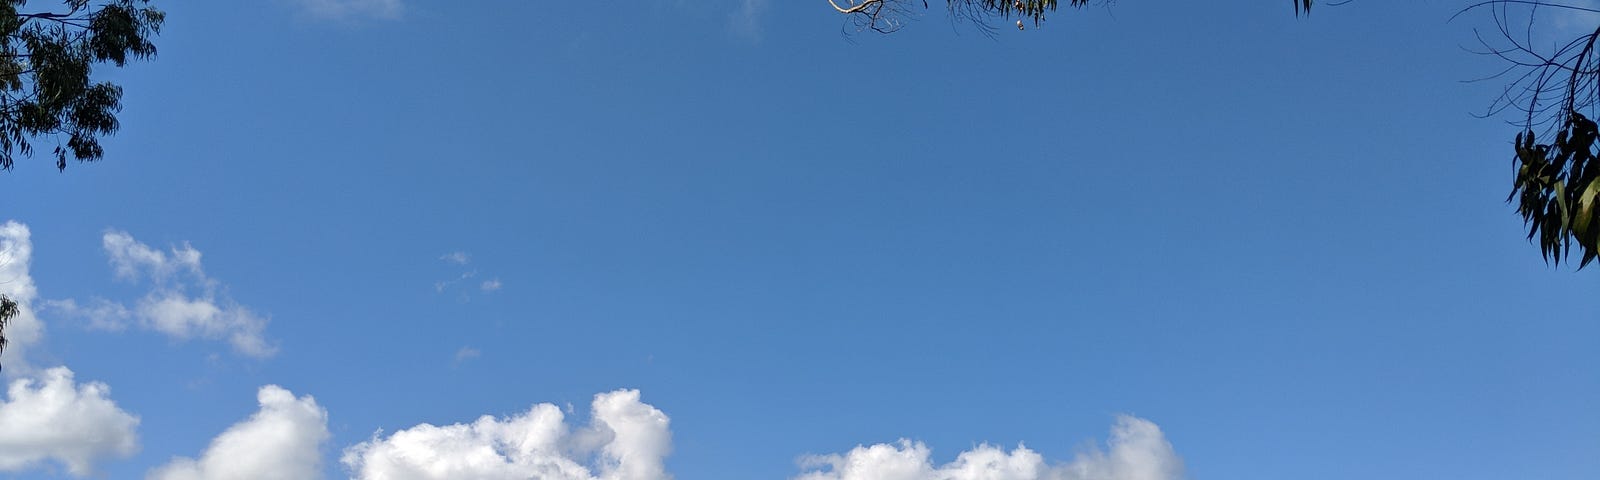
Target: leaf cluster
x=887 y=16
x=1029 y=9
x=46 y=63
x=1557 y=91
x=8 y=310
x=1556 y=188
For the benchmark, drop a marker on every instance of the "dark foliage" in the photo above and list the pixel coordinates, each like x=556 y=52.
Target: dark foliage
x=8 y=309
x=1555 y=190
x=885 y=16
x=1556 y=91
x=46 y=61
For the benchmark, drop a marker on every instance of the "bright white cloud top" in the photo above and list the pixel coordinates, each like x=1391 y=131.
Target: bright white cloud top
x=625 y=440
x=24 y=330
x=282 y=440
x=1137 y=451
x=54 y=418
x=48 y=417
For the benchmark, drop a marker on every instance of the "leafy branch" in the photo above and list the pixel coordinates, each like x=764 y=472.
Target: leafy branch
x=46 y=61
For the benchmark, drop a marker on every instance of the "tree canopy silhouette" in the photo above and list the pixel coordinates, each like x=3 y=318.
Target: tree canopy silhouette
x=47 y=59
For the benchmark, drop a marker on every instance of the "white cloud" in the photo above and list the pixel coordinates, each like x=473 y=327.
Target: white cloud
x=462 y=284
x=183 y=317
x=456 y=257
x=625 y=440
x=183 y=302
x=100 y=314
x=53 y=418
x=24 y=330
x=130 y=258
x=351 y=9
x=1137 y=451
x=282 y=440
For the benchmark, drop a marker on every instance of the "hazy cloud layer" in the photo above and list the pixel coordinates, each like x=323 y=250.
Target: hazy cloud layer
x=625 y=440
x=1137 y=450
x=746 y=19
x=52 y=418
x=97 y=314
x=282 y=440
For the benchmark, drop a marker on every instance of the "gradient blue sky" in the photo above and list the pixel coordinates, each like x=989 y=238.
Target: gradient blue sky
x=1281 y=240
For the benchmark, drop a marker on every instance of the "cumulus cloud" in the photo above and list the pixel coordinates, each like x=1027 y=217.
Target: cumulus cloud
x=351 y=9
x=490 y=285
x=24 y=330
x=282 y=440
x=54 y=418
x=625 y=440
x=183 y=302
x=1137 y=450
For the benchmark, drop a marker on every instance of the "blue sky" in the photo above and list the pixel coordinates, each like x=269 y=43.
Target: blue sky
x=1147 y=242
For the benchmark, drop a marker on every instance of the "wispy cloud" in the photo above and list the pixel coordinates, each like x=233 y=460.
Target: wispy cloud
x=462 y=283
x=182 y=303
x=98 y=313
x=442 y=285
x=345 y=10
x=1569 y=23
x=456 y=257
x=745 y=21
x=467 y=353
